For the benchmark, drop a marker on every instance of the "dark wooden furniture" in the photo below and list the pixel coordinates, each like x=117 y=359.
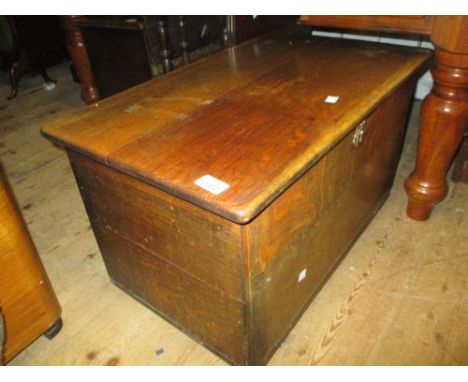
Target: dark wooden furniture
x=444 y=114
x=242 y=28
x=79 y=55
x=124 y=51
x=38 y=43
x=223 y=195
x=113 y=53
x=27 y=301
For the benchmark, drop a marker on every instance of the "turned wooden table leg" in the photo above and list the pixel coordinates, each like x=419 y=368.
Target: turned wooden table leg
x=15 y=72
x=165 y=52
x=444 y=117
x=21 y=63
x=184 y=45
x=79 y=56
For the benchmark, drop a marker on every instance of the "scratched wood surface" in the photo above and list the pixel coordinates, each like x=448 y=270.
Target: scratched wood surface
x=211 y=117
x=399 y=297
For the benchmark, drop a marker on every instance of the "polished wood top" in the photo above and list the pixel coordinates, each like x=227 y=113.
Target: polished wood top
x=253 y=116
x=411 y=24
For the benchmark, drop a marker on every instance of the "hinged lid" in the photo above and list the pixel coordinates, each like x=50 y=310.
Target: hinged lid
x=229 y=133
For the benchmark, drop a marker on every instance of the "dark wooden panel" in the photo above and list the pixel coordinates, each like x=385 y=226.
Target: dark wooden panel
x=192 y=239
x=42 y=39
x=247 y=27
x=207 y=314
x=395 y=24
x=118 y=57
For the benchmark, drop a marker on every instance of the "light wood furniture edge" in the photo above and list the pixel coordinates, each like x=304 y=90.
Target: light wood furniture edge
x=27 y=300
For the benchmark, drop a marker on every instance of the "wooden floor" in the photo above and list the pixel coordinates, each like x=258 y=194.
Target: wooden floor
x=400 y=297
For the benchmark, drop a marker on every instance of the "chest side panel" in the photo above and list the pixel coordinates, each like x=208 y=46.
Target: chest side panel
x=197 y=241
x=300 y=238
x=176 y=258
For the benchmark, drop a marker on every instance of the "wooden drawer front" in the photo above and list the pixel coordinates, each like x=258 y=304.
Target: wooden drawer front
x=392 y=24
x=198 y=242
x=313 y=224
x=194 y=306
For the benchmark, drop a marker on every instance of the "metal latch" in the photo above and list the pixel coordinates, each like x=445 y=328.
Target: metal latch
x=358 y=135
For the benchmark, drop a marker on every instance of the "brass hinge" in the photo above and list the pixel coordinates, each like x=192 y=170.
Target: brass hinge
x=358 y=135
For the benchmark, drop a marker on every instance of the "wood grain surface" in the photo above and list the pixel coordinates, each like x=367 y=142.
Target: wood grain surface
x=412 y=24
x=28 y=303
x=172 y=138
x=311 y=226
x=167 y=242
x=233 y=287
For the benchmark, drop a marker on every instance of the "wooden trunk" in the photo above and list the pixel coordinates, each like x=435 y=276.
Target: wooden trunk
x=235 y=267
x=27 y=301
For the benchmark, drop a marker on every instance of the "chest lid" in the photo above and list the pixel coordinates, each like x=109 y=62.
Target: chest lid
x=229 y=133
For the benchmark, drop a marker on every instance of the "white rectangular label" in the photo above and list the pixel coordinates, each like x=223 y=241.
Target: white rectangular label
x=211 y=184
x=332 y=99
x=302 y=275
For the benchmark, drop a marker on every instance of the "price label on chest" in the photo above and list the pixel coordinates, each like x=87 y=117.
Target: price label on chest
x=211 y=184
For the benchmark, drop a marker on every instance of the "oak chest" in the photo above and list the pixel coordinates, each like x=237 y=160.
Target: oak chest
x=223 y=194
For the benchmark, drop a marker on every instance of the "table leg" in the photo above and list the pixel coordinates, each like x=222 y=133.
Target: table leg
x=165 y=52
x=184 y=45
x=79 y=55
x=444 y=117
x=18 y=68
